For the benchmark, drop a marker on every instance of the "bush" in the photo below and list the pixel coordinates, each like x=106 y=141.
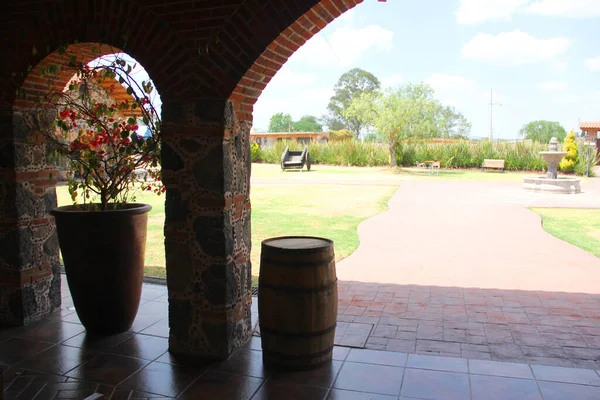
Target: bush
x=346 y=153
x=463 y=154
x=255 y=152
x=567 y=164
x=341 y=135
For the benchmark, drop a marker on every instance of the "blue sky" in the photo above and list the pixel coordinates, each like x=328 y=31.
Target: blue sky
x=541 y=58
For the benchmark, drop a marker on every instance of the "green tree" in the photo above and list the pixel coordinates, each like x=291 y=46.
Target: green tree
x=408 y=112
x=349 y=87
x=308 y=123
x=280 y=122
x=542 y=131
x=453 y=123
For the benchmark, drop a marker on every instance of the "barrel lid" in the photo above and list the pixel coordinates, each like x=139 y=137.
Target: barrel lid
x=298 y=242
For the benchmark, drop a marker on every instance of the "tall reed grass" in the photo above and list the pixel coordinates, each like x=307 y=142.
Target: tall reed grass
x=464 y=154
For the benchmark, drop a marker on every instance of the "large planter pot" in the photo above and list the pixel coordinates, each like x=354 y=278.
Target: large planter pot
x=103 y=253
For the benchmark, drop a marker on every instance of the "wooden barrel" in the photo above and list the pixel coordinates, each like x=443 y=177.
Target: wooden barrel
x=297 y=301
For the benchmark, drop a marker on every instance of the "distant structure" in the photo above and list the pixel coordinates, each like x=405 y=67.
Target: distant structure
x=270 y=138
x=591 y=131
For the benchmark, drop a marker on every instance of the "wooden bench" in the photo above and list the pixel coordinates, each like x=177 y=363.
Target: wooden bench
x=497 y=165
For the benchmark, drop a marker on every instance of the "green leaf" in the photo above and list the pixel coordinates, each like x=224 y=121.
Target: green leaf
x=131 y=121
x=129 y=90
x=34 y=51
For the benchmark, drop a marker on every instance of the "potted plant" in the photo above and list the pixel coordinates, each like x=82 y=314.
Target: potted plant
x=102 y=236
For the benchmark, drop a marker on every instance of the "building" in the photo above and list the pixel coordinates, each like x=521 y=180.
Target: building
x=270 y=138
x=591 y=131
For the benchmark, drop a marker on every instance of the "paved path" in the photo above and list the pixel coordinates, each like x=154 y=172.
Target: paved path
x=464 y=268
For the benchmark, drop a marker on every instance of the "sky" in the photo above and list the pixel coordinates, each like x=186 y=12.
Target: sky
x=539 y=58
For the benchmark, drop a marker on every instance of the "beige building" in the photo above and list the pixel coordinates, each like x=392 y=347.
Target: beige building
x=269 y=138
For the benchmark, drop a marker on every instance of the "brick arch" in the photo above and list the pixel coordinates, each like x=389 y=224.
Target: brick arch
x=291 y=38
x=158 y=48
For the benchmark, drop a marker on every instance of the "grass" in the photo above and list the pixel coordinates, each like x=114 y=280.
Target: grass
x=580 y=227
x=380 y=174
x=332 y=211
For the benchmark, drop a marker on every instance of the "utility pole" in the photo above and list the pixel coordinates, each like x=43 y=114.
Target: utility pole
x=492 y=104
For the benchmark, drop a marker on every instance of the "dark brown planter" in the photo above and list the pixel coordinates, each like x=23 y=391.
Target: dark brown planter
x=103 y=253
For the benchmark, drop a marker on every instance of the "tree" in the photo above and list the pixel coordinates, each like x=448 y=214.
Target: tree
x=453 y=123
x=542 y=131
x=408 y=112
x=349 y=87
x=307 y=123
x=280 y=122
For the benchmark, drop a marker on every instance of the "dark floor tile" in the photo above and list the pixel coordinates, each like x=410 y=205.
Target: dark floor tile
x=164 y=379
x=435 y=385
x=99 y=343
x=160 y=329
x=141 y=346
x=16 y=350
x=377 y=357
x=369 y=378
x=499 y=388
x=109 y=369
x=322 y=376
x=244 y=362
x=54 y=331
x=450 y=364
x=219 y=386
x=57 y=359
x=144 y=321
x=340 y=353
x=562 y=391
x=337 y=394
x=280 y=390
x=254 y=343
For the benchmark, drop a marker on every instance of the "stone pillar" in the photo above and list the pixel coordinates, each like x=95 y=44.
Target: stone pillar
x=29 y=263
x=206 y=169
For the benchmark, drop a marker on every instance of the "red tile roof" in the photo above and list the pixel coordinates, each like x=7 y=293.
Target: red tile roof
x=589 y=124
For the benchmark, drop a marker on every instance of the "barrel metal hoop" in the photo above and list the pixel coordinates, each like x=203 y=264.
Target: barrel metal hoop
x=296 y=264
x=277 y=332
x=294 y=289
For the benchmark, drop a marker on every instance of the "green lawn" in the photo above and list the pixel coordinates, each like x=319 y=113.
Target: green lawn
x=332 y=211
x=379 y=174
x=580 y=227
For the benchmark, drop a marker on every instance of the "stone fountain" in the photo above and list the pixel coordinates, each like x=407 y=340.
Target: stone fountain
x=551 y=183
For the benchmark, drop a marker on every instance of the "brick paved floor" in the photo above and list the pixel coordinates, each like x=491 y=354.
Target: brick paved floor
x=56 y=359
x=465 y=269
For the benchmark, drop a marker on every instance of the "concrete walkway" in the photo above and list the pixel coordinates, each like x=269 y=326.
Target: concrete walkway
x=463 y=268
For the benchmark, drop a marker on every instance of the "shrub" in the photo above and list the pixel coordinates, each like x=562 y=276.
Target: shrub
x=341 y=135
x=567 y=164
x=255 y=152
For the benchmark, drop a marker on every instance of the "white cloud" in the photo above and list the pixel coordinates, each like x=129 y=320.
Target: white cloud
x=567 y=98
x=345 y=46
x=443 y=81
x=475 y=11
x=593 y=64
x=513 y=48
x=552 y=86
x=392 y=81
x=566 y=8
x=559 y=66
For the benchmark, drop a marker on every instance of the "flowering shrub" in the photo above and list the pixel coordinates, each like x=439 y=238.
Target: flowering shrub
x=98 y=134
x=567 y=164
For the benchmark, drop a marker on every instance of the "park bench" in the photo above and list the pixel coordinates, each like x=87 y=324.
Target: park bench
x=493 y=164
x=291 y=159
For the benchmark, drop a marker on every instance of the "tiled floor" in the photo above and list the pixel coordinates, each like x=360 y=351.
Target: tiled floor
x=55 y=359
x=561 y=329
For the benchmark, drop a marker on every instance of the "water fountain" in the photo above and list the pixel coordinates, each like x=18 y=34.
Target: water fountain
x=551 y=183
